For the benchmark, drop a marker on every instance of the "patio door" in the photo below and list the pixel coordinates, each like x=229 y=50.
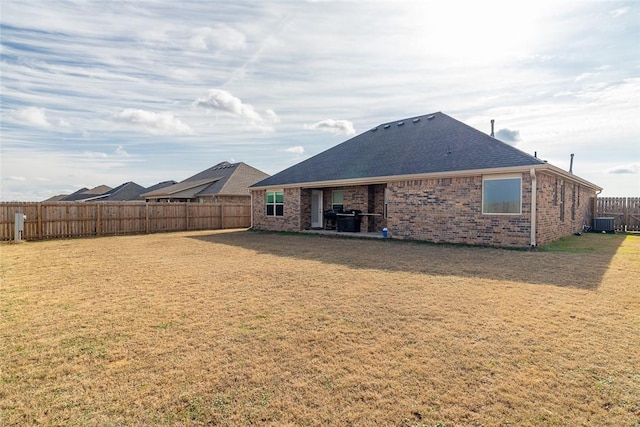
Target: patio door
x=316 y=209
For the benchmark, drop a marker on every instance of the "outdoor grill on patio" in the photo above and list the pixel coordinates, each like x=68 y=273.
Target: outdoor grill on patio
x=331 y=218
x=349 y=220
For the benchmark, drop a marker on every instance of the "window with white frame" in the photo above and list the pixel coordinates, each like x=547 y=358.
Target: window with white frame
x=337 y=199
x=502 y=195
x=385 y=213
x=275 y=203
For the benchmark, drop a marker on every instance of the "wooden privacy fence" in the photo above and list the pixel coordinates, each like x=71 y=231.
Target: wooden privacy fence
x=624 y=210
x=49 y=220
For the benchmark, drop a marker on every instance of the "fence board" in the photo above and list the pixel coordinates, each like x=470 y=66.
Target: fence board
x=50 y=220
x=624 y=210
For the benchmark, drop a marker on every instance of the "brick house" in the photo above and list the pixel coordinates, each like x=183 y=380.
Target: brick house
x=223 y=183
x=430 y=178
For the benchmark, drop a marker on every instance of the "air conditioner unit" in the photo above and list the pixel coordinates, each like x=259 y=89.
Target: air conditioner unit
x=604 y=225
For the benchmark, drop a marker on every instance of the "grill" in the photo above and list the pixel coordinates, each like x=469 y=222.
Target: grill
x=331 y=218
x=349 y=221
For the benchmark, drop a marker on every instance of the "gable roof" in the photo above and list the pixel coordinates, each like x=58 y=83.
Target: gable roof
x=85 y=193
x=431 y=143
x=159 y=186
x=222 y=179
x=125 y=192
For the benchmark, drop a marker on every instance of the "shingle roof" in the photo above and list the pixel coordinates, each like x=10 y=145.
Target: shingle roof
x=85 y=193
x=424 y=144
x=159 y=186
x=222 y=179
x=125 y=192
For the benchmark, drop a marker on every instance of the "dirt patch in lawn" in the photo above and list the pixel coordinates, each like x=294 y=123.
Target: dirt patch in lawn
x=235 y=328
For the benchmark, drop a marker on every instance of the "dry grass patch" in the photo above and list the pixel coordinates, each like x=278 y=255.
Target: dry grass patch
x=238 y=328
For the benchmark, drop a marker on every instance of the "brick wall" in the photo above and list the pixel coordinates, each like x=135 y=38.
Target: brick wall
x=555 y=217
x=450 y=210
x=294 y=198
x=445 y=210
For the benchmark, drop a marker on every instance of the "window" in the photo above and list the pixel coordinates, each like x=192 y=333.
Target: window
x=502 y=195
x=562 y=201
x=385 y=213
x=275 y=203
x=337 y=199
x=573 y=203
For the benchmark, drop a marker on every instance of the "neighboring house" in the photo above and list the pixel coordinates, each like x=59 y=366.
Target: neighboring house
x=223 y=183
x=429 y=178
x=158 y=186
x=129 y=191
x=82 y=194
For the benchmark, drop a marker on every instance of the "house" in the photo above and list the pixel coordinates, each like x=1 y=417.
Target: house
x=81 y=194
x=430 y=178
x=129 y=191
x=223 y=183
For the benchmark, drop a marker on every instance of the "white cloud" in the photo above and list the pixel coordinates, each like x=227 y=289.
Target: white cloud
x=17 y=178
x=627 y=169
x=93 y=155
x=154 y=123
x=337 y=127
x=298 y=149
x=221 y=100
x=222 y=37
x=620 y=11
x=32 y=116
x=509 y=136
x=120 y=151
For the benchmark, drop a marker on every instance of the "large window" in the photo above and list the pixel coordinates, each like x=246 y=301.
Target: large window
x=275 y=203
x=502 y=195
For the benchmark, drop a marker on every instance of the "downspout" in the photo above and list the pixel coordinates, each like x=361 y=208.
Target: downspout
x=251 y=226
x=534 y=189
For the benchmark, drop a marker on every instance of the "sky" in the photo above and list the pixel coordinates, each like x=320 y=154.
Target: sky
x=106 y=92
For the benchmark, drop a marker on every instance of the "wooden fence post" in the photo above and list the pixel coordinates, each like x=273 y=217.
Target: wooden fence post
x=186 y=215
x=221 y=216
x=40 y=232
x=146 y=218
x=625 y=202
x=98 y=220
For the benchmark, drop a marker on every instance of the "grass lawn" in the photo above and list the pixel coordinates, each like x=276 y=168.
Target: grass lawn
x=245 y=328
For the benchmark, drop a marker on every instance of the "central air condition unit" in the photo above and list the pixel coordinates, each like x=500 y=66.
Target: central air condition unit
x=604 y=225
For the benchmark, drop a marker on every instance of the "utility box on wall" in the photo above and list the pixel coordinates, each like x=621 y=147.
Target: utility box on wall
x=19 y=226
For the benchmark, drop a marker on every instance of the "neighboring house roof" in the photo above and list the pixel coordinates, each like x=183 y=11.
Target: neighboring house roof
x=85 y=193
x=123 y=193
x=222 y=179
x=159 y=186
x=426 y=144
x=57 y=198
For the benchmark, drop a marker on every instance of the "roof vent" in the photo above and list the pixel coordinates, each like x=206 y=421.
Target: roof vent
x=416 y=120
x=387 y=126
x=400 y=123
x=374 y=129
x=431 y=117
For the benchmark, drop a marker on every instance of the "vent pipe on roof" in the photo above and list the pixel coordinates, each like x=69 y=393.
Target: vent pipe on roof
x=492 y=134
x=571 y=164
